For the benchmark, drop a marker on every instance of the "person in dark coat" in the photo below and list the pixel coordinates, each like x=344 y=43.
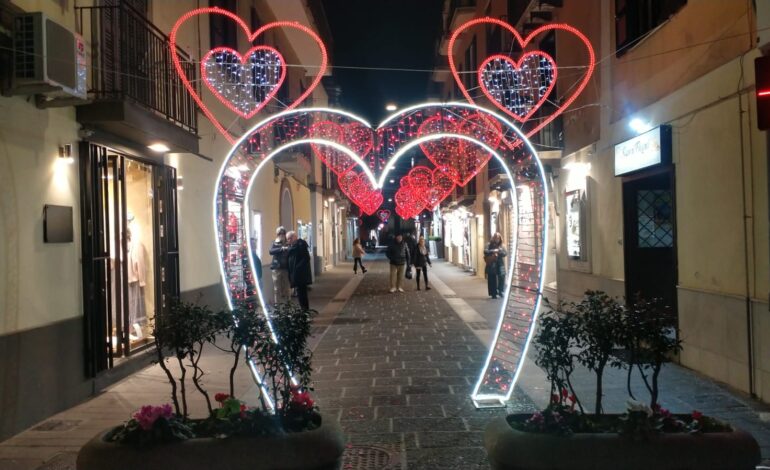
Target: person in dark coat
x=279 y=250
x=421 y=261
x=494 y=256
x=398 y=254
x=300 y=275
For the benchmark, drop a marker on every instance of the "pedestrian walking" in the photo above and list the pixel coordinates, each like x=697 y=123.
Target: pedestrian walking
x=494 y=256
x=358 y=254
x=421 y=261
x=279 y=267
x=300 y=275
x=398 y=254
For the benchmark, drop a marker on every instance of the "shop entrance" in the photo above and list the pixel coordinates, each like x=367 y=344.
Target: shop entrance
x=130 y=253
x=650 y=236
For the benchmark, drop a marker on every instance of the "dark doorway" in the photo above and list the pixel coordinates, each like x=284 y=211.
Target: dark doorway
x=649 y=219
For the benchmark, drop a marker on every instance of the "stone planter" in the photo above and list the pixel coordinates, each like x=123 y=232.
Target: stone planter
x=320 y=449
x=511 y=449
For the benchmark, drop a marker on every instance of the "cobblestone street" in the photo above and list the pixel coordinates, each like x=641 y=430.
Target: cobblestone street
x=397 y=369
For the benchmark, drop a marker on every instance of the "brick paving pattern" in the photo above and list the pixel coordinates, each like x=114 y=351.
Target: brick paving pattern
x=397 y=371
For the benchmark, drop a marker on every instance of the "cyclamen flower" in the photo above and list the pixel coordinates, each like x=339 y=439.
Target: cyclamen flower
x=148 y=414
x=697 y=415
x=221 y=397
x=301 y=399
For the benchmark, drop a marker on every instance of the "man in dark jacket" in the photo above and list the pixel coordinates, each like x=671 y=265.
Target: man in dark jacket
x=399 y=256
x=300 y=275
x=279 y=268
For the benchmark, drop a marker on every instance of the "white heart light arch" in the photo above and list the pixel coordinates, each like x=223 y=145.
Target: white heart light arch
x=393 y=138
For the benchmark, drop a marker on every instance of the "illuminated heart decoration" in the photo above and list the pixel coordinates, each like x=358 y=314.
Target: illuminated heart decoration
x=408 y=203
x=251 y=37
x=359 y=189
x=518 y=87
x=526 y=238
x=430 y=187
x=245 y=83
x=339 y=162
x=383 y=215
x=453 y=153
x=564 y=103
x=359 y=138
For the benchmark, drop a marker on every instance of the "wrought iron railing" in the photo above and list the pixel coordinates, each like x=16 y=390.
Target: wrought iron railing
x=130 y=58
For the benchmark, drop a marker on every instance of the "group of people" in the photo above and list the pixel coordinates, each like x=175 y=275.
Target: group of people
x=290 y=267
x=404 y=253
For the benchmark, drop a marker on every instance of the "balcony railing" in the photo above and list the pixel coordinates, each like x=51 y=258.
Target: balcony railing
x=130 y=59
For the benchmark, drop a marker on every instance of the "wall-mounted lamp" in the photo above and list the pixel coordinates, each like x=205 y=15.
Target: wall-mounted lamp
x=577 y=166
x=159 y=147
x=179 y=182
x=65 y=154
x=639 y=126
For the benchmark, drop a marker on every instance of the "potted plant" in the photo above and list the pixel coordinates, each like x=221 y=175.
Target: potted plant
x=285 y=431
x=646 y=436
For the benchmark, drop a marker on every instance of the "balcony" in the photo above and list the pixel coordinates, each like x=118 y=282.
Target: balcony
x=134 y=92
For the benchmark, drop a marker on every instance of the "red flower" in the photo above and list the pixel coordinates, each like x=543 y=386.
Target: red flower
x=554 y=398
x=564 y=393
x=697 y=415
x=221 y=397
x=243 y=410
x=301 y=400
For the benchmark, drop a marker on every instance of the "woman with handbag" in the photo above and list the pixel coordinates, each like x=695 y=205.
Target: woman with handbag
x=421 y=261
x=494 y=256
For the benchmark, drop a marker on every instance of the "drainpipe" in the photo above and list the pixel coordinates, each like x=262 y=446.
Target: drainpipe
x=747 y=218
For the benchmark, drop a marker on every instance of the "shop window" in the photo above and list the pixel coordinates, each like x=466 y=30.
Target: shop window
x=635 y=18
x=222 y=30
x=655 y=224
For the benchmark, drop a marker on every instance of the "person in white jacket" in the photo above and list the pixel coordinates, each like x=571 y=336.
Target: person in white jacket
x=358 y=255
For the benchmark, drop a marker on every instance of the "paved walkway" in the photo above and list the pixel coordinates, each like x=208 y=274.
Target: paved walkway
x=396 y=370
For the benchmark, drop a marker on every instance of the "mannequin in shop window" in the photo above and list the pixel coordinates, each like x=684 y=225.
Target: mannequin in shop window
x=494 y=256
x=137 y=281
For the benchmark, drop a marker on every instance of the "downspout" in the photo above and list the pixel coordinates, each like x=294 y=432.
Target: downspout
x=747 y=218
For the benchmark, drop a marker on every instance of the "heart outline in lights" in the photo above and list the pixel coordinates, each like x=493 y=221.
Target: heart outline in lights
x=525 y=172
x=523 y=42
x=251 y=36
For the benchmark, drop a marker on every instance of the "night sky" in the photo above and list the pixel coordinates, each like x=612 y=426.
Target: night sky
x=383 y=33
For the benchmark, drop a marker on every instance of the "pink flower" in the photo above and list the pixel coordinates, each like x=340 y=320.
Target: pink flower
x=301 y=399
x=148 y=414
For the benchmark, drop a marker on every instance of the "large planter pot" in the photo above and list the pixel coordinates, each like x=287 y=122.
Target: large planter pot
x=319 y=449
x=511 y=449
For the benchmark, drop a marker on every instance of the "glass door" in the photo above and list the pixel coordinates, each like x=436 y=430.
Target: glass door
x=130 y=252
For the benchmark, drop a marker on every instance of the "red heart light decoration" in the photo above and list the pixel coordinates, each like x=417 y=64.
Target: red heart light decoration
x=246 y=82
x=455 y=153
x=359 y=138
x=408 y=204
x=430 y=187
x=383 y=215
x=251 y=36
x=519 y=87
x=339 y=162
x=359 y=189
x=523 y=43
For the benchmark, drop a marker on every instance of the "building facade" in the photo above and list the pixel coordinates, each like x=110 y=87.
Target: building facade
x=98 y=232
x=658 y=170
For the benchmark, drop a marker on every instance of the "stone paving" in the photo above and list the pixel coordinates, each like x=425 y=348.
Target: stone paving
x=397 y=370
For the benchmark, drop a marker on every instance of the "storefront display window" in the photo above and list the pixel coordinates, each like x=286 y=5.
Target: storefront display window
x=130 y=251
x=574 y=224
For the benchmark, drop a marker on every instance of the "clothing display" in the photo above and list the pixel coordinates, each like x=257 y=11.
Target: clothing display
x=137 y=280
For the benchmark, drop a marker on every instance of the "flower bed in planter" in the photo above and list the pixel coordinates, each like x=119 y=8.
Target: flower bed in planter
x=566 y=436
x=318 y=449
x=513 y=449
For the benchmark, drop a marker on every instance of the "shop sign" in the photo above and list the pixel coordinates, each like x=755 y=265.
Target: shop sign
x=643 y=151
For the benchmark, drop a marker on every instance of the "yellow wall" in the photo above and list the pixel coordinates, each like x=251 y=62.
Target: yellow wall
x=32 y=291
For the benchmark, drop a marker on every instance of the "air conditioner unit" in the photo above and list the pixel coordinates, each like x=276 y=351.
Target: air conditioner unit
x=47 y=58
